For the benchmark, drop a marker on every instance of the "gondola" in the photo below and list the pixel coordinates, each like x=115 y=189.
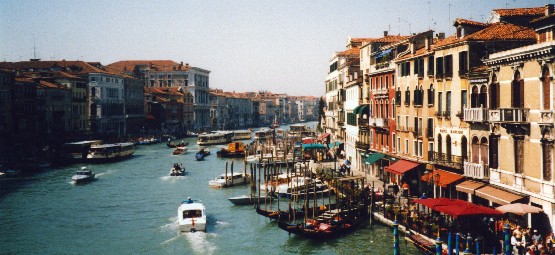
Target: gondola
x=175 y=145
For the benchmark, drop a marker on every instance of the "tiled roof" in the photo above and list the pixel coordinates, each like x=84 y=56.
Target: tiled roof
x=495 y=32
x=360 y=39
x=47 y=84
x=543 y=18
x=469 y=23
x=159 y=65
x=520 y=11
x=390 y=38
x=74 y=67
x=502 y=31
x=350 y=52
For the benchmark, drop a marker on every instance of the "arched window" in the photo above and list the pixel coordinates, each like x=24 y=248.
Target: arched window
x=393 y=108
x=386 y=106
x=484 y=150
x=474 y=97
x=371 y=109
x=546 y=89
x=475 y=150
x=517 y=91
x=494 y=93
x=483 y=99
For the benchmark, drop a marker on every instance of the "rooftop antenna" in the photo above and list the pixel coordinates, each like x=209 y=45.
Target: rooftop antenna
x=449 y=13
x=429 y=16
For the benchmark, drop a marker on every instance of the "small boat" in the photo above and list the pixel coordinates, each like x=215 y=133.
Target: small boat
x=83 y=176
x=180 y=150
x=202 y=153
x=106 y=152
x=177 y=170
x=175 y=145
x=224 y=180
x=191 y=216
x=248 y=200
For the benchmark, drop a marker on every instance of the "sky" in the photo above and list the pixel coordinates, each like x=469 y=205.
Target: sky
x=277 y=46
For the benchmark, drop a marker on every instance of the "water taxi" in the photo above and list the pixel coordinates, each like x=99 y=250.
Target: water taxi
x=264 y=134
x=110 y=151
x=242 y=135
x=83 y=176
x=180 y=150
x=191 y=216
x=224 y=180
x=216 y=138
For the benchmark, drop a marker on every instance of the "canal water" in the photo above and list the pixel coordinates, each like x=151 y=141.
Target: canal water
x=132 y=209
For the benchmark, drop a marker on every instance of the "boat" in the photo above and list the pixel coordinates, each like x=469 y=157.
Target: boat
x=248 y=200
x=191 y=216
x=175 y=145
x=224 y=180
x=330 y=224
x=78 y=151
x=233 y=150
x=220 y=137
x=242 y=135
x=264 y=134
x=83 y=176
x=177 y=170
x=110 y=151
x=180 y=150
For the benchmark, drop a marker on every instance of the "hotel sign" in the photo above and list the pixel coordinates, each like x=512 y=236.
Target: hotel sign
x=445 y=131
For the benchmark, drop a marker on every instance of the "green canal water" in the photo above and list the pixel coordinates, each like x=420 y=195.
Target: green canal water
x=132 y=209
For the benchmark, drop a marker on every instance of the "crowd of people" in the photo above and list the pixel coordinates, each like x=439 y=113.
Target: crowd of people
x=525 y=241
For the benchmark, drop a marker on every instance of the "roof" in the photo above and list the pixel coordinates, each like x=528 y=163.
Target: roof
x=519 y=11
x=400 y=167
x=72 y=67
x=158 y=65
x=469 y=23
x=499 y=31
x=350 y=52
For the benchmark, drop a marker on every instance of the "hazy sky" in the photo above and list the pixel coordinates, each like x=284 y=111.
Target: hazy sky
x=279 y=46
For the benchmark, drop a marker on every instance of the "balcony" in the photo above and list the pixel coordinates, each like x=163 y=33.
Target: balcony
x=417 y=132
x=379 y=92
x=479 y=115
x=446 y=160
x=546 y=118
x=447 y=114
x=476 y=170
x=340 y=123
x=363 y=124
x=362 y=145
x=510 y=115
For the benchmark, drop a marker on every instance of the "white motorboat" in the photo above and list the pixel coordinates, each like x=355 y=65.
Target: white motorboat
x=180 y=150
x=83 y=176
x=215 y=138
x=224 y=180
x=191 y=216
x=110 y=151
x=177 y=170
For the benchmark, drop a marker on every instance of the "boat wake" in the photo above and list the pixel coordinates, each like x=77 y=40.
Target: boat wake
x=172 y=178
x=199 y=242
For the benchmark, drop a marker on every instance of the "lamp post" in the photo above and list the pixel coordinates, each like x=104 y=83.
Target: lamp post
x=434 y=180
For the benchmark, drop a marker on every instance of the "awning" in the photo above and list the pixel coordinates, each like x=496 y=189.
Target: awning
x=445 y=178
x=323 y=136
x=363 y=109
x=314 y=146
x=497 y=196
x=519 y=208
x=469 y=186
x=383 y=53
x=457 y=207
x=401 y=166
x=335 y=144
x=308 y=140
x=373 y=158
x=357 y=109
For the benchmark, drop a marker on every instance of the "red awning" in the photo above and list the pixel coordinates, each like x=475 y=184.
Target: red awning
x=401 y=166
x=323 y=136
x=457 y=207
x=442 y=178
x=308 y=140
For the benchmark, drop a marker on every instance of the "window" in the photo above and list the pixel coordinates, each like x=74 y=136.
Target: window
x=406 y=146
x=448 y=66
x=519 y=153
x=431 y=95
x=407 y=97
x=399 y=144
x=547 y=159
x=93 y=78
x=494 y=151
x=448 y=147
x=517 y=91
x=393 y=109
x=464 y=104
x=463 y=62
x=448 y=104
x=398 y=96
x=439 y=145
x=439 y=66
x=393 y=143
x=430 y=128
x=474 y=97
x=431 y=65
x=494 y=93
x=439 y=103
x=546 y=89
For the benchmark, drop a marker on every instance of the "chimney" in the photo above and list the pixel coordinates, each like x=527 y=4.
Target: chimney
x=384 y=33
x=440 y=36
x=548 y=9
